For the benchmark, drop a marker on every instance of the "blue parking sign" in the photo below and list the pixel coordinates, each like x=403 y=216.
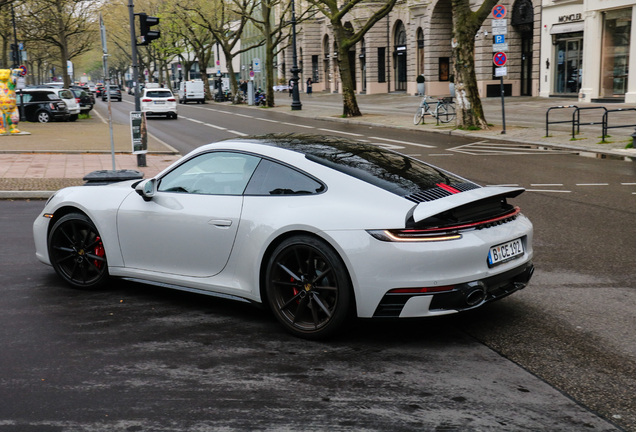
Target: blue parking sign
x=499 y=39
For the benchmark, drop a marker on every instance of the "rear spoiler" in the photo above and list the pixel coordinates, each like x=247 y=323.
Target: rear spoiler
x=431 y=208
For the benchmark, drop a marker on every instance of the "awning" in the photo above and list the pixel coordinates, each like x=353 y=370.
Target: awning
x=567 y=28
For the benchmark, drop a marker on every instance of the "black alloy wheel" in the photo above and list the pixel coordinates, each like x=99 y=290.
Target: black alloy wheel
x=308 y=287
x=77 y=252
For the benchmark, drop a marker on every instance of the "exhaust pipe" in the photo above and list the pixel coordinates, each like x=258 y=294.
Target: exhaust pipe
x=474 y=293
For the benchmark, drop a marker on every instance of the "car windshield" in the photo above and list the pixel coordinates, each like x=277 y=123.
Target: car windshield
x=159 y=93
x=383 y=168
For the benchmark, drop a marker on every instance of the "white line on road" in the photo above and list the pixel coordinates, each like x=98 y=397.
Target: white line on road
x=551 y=191
x=502 y=185
x=545 y=184
x=267 y=120
x=100 y=116
x=404 y=142
x=592 y=184
x=441 y=154
x=388 y=146
x=214 y=126
x=299 y=125
x=237 y=133
x=243 y=115
x=192 y=120
x=414 y=155
x=628 y=184
x=340 y=132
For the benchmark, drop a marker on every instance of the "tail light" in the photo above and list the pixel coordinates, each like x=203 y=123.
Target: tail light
x=172 y=100
x=52 y=106
x=77 y=100
x=146 y=100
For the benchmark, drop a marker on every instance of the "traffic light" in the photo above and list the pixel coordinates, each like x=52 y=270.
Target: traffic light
x=147 y=35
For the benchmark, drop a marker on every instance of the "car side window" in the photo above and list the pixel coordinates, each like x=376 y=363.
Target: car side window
x=272 y=178
x=26 y=96
x=215 y=173
x=53 y=96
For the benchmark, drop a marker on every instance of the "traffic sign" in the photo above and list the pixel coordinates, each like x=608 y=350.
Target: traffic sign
x=23 y=70
x=256 y=62
x=500 y=23
x=500 y=47
x=501 y=72
x=251 y=74
x=499 y=39
x=500 y=59
x=499 y=31
x=499 y=12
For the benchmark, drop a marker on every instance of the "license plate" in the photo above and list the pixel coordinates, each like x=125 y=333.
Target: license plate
x=505 y=252
x=159 y=102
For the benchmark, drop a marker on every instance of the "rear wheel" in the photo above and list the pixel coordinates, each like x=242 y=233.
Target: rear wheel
x=77 y=253
x=43 y=117
x=446 y=113
x=308 y=287
x=419 y=114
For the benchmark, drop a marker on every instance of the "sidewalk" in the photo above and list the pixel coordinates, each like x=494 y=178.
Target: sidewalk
x=525 y=119
x=58 y=155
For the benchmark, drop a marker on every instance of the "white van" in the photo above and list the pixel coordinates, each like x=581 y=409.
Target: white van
x=191 y=91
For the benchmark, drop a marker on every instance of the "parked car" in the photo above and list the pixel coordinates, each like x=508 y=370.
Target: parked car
x=98 y=89
x=85 y=101
x=72 y=104
x=191 y=91
x=159 y=101
x=42 y=105
x=319 y=229
x=115 y=93
x=89 y=94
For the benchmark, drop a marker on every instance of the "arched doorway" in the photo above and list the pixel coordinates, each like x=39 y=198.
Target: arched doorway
x=399 y=56
x=523 y=22
x=325 y=63
x=420 y=51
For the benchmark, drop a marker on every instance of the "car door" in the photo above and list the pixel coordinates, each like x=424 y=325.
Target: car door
x=189 y=226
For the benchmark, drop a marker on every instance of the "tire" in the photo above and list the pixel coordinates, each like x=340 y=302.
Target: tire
x=43 y=117
x=77 y=253
x=446 y=113
x=419 y=114
x=308 y=287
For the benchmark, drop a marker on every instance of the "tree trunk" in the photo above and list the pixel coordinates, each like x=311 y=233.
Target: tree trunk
x=269 y=54
x=63 y=44
x=466 y=23
x=349 y=102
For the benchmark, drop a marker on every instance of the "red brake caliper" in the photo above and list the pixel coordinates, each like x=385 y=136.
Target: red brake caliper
x=100 y=252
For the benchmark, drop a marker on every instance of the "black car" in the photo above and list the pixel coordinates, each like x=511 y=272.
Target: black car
x=115 y=93
x=84 y=100
x=41 y=105
x=89 y=93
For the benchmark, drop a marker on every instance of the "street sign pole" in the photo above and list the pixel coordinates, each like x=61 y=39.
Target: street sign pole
x=102 y=32
x=501 y=24
x=141 y=158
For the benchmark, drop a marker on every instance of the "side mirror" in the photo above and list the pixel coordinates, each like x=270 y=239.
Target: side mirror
x=147 y=188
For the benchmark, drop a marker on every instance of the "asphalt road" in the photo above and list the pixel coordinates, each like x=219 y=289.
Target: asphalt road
x=139 y=358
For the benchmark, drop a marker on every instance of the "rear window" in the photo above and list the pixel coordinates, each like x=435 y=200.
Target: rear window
x=383 y=168
x=159 y=93
x=52 y=96
x=66 y=94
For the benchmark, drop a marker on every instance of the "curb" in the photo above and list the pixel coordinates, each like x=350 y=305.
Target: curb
x=159 y=153
x=7 y=195
x=619 y=153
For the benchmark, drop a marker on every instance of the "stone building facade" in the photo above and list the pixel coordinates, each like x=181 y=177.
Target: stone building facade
x=415 y=39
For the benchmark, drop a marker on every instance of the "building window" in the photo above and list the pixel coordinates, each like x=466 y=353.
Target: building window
x=617 y=28
x=381 y=64
x=315 y=76
x=444 y=68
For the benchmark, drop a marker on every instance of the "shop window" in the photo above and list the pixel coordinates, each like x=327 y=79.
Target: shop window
x=617 y=29
x=315 y=77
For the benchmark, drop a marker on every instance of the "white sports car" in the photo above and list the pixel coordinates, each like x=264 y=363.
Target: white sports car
x=319 y=228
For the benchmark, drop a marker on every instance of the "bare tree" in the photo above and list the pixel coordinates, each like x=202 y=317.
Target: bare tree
x=346 y=37
x=67 y=25
x=466 y=23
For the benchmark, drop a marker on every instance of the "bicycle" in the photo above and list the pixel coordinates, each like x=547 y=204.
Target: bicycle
x=444 y=110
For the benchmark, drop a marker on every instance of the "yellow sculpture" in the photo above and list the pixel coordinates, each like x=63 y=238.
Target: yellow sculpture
x=8 y=104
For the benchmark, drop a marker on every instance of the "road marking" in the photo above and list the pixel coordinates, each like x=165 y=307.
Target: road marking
x=550 y=191
x=192 y=120
x=243 y=115
x=237 y=133
x=592 y=184
x=388 y=146
x=502 y=185
x=164 y=143
x=545 y=184
x=485 y=148
x=267 y=120
x=100 y=116
x=441 y=154
x=414 y=155
x=214 y=126
x=404 y=142
x=628 y=184
x=340 y=132
x=299 y=125
x=129 y=102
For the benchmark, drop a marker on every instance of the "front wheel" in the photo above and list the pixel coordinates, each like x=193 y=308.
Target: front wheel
x=446 y=113
x=77 y=252
x=419 y=114
x=308 y=287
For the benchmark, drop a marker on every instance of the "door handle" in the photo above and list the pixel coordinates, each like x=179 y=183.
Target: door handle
x=220 y=222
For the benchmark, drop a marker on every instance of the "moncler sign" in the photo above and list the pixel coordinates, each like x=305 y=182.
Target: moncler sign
x=570 y=18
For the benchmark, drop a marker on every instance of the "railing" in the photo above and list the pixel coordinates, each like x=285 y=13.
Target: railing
x=547 y=117
x=606 y=121
x=577 y=122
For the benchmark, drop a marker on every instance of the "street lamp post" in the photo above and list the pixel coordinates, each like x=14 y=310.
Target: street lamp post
x=296 y=105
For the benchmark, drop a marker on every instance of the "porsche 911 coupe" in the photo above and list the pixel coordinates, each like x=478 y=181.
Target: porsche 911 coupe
x=320 y=229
